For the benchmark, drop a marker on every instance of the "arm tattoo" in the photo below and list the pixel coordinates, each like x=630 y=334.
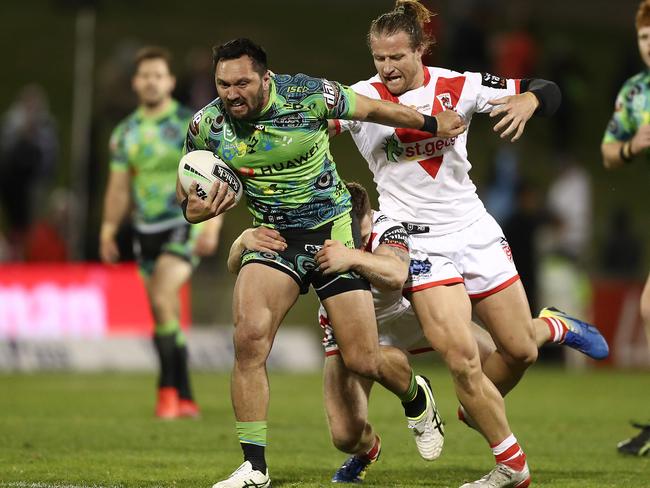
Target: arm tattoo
x=402 y=254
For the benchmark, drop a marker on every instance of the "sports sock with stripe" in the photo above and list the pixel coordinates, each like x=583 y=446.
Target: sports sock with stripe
x=557 y=327
x=252 y=438
x=414 y=400
x=509 y=452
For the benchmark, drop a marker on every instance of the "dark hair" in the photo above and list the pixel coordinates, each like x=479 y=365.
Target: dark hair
x=153 y=52
x=241 y=47
x=408 y=16
x=360 y=199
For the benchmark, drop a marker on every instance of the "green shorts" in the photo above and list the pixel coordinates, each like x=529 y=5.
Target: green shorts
x=298 y=259
x=178 y=240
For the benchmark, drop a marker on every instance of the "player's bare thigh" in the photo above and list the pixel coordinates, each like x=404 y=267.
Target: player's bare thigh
x=261 y=298
x=352 y=316
x=506 y=314
x=444 y=312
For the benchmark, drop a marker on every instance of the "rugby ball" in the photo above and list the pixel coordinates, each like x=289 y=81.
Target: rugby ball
x=205 y=167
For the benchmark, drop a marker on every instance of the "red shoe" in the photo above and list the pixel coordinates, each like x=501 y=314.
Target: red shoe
x=167 y=406
x=188 y=408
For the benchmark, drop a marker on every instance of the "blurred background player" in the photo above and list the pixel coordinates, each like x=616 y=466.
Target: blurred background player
x=145 y=150
x=626 y=138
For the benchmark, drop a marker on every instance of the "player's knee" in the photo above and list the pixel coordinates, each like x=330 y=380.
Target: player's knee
x=465 y=369
x=348 y=440
x=522 y=356
x=252 y=342
x=161 y=304
x=361 y=364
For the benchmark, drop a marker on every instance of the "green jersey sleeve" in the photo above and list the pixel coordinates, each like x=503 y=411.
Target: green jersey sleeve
x=337 y=101
x=119 y=158
x=622 y=126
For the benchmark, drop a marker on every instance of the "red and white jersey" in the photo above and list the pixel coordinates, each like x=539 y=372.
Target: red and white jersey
x=388 y=304
x=422 y=178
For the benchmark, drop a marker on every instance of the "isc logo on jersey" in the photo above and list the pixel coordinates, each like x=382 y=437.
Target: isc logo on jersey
x=205 y=168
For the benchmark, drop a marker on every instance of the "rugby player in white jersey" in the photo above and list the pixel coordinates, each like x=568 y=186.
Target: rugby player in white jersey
x=459 y=256
x=385 y=264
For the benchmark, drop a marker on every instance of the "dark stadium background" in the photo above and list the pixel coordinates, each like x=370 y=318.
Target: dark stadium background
x=323 y=38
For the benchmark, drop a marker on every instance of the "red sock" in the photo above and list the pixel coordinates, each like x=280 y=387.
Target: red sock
x=557 y=327
x=374 y=450
x=509 y=452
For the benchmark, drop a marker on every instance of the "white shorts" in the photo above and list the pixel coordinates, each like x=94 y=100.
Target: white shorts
x=402 y=331
x=478 y=256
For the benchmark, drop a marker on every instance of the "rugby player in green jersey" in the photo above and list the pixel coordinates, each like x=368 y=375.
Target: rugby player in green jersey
x=626 y=138
x=272 y=129
x=145 y=149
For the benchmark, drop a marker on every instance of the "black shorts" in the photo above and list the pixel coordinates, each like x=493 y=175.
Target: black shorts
x=178 y=240
x=298 y=259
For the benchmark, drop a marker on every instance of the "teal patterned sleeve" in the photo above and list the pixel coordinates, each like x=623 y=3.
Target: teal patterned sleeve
x=337 y=102
x=622 y=126
x=119 y=158
x=195 y=138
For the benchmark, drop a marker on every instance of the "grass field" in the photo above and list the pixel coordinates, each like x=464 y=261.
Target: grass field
x=97 y=431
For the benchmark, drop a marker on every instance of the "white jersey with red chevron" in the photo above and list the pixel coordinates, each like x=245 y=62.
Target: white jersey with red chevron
x=422 y=178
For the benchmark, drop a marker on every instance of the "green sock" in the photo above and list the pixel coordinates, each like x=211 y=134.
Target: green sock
x=252 y=432
x=412 y=391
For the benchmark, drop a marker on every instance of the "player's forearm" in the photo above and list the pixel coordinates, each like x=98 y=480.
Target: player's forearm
x=116 y=206
x=393 y=115
x=383 y=272
x=234 y=256
x=612 y=157
x=548 y=94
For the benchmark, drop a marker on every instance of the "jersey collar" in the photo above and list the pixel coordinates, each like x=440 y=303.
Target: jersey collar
x=173 y=105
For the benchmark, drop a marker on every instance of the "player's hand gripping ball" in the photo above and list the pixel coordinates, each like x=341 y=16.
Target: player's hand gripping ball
x=205 y=168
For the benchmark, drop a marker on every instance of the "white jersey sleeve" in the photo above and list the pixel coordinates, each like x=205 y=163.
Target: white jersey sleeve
x=484 y=87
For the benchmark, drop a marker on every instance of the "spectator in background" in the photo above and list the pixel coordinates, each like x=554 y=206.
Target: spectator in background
x=622 y=251
x=28 y=154
x=564 y=243
x=521 y=230
x=627 y=138
x=516 y=52
x=47 y=239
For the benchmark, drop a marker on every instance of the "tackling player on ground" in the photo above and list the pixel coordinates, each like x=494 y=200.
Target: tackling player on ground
x=627 y=138
x=145 y=149
x=273 y=131
x=459 y=256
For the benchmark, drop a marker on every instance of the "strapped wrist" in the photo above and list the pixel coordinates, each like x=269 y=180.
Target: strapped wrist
x=430 y=124
x=626 y=152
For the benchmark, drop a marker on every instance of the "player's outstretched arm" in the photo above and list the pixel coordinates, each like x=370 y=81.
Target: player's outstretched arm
x=261 y=238
x=117 y=201
x=386 y=268
x=540 y=97
x=445 y=124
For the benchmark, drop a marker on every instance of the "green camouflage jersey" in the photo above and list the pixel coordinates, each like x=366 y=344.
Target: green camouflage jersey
x=632 y=109
x=283 y=157
x=149 y=148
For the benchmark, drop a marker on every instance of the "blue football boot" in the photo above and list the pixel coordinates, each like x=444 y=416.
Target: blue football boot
x=580 y=335
x=354 y=469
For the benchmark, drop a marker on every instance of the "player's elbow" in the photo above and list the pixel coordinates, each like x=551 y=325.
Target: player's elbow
x=610 y=159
